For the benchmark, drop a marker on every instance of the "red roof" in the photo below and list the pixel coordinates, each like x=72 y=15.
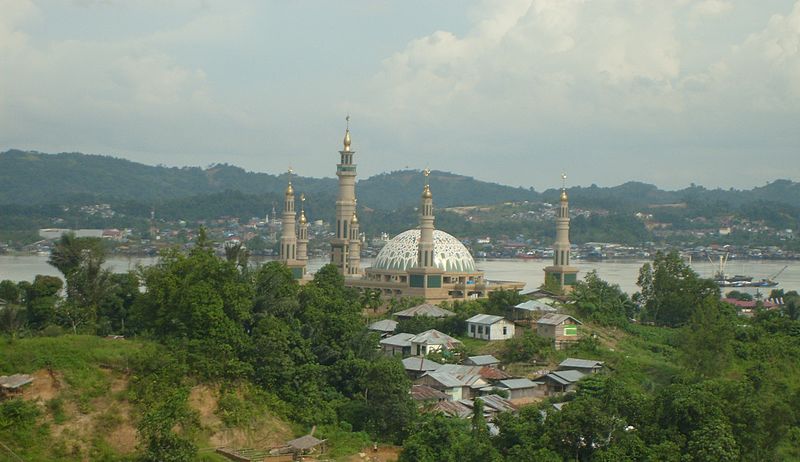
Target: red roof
x=749 y=304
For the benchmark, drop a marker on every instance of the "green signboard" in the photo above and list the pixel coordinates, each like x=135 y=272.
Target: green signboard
x=570 y=329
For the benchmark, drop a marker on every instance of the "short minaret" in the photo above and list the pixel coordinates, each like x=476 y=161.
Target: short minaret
x=561 y=274
x=302 y=236
x=288 y=233
x=425 y=248
x=354 y=258
x=345 y=206
x=425 y=279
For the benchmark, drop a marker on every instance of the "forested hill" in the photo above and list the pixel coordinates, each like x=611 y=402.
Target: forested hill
x=28 y=178
x=32 y=178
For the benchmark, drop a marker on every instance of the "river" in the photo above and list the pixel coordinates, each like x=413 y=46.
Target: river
x=622 y=272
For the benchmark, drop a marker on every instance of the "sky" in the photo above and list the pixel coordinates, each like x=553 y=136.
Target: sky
x=670 y=92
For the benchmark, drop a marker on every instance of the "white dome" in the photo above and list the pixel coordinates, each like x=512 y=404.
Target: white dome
x=400 y=254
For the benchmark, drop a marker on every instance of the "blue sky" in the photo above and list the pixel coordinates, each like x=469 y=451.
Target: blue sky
x=515 y=91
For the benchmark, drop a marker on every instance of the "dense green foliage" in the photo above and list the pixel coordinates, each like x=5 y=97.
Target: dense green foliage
x=700 y=384
x=671 y=290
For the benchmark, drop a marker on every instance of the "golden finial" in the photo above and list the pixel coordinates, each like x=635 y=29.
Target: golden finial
x=563 y=186
x=426 y=193
x=347 y=134
x=290 y=189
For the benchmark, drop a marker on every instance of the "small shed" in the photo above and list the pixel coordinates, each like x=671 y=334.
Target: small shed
x=306 y=444
x=562 y=381
x=449 y=384
x=482 y=360
x=397 y=345
x=562 y=329
x=489 y=327
x=586 y=366
x=12 y=384
x=426 y=309
x=522 y=388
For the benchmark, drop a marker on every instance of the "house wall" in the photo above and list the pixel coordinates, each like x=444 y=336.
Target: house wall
x=498 y=328
x=390 y=350
x=520 y=393
x=491 y=332
x=419 y=349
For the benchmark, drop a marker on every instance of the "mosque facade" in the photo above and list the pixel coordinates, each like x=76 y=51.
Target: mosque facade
x=421 y=262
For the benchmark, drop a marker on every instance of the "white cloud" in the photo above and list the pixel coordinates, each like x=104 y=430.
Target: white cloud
x=611 y=74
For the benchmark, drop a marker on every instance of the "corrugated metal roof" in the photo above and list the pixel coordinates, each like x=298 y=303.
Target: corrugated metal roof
x=426 y=393
x=445 y=379
x=400 y=340
x=415 y=363
x=535 y=305
x=305 y=442
x=482 y=360
x=426 y=309
x=434 y=337
x=553 y=319
x=385 y=325
x=566 y=377
x=487 y=319
x=580 y=363
x=516 y=384
x=453 y=409
x=15 y=381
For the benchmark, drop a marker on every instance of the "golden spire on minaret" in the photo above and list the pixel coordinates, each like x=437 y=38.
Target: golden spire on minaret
x=355 y=207
x=563 y=186
x=302 y=208
x=347 y=134
x=290 y=189
x=426 y=193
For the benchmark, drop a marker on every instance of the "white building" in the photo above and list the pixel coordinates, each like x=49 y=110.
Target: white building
x=489 y=327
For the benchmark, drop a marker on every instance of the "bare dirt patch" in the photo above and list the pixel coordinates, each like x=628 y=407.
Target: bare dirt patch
x=266 y=432
x=45 y=386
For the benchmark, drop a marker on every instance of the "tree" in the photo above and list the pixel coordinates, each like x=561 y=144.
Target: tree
x=40 y=301
x=9 y=291
x=706 y=340
x=202 y=303
x=80 y=260
x=12 y=319
x=602 y=302
x=391 y=412
x=670 y=290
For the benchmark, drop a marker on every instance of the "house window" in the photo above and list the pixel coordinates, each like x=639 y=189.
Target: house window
x=480 y=329
x=505 y=330
x=472 y=328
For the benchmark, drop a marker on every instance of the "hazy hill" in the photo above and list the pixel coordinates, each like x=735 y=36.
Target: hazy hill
x=35 y=178
x=32 y=178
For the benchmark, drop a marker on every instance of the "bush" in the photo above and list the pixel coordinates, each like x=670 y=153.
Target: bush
x=53 y=331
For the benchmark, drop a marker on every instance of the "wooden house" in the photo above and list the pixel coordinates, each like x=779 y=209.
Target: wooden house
x=562 y=329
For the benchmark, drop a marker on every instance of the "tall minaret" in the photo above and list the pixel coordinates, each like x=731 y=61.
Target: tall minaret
x=425 y=279
x=302 y=236
x=561 y=273
x=354 y=258
x=425 y=248
x=345 y=205
x=288 y=236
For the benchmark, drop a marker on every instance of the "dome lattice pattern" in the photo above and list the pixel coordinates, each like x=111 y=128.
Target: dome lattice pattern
x=400 y=254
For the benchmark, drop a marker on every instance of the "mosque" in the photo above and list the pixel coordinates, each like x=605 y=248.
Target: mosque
x=421 y=262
